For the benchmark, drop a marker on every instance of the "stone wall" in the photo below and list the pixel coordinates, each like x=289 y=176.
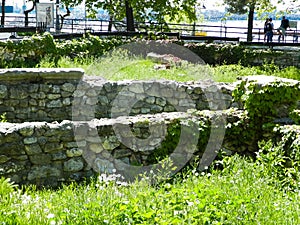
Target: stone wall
x=49 y=153
x=286 y=58
x=88 y=125
x=62 y=94
x=37 y=94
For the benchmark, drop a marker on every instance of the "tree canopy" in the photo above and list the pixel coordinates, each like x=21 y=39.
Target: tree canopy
x=141 y=11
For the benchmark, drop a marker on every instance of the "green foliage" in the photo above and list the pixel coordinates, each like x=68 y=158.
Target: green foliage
x=6 y=187
x=282 y=158
x=3 y=118
x=244 y=192
x=89 y=46
x=175 y=10
x=25 y=34
x=295 y=116
x=33 y=51
x=238 y=125
x=219 y=54
x=230 y=73
x=38 y=49
x=261 y=99
x=29 y=51
x=264 y=102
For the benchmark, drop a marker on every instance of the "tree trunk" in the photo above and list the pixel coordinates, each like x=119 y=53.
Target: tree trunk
x=110 y=23
x=26 y=12
x=129 y=17
x=3 y=13
x=62 y=17
x=250 y=22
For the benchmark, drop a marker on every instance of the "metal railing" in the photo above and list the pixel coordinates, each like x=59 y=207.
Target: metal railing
x=75 y=26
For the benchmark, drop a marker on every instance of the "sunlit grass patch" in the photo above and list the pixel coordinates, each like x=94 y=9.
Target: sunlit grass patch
x=244 y=192
x=119 y=66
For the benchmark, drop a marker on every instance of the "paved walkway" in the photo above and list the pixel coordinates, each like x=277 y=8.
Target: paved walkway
x=5 y=35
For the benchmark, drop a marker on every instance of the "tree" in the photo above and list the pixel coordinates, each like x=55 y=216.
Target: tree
x=62 y=17
x=250 y=6
x=26 y=12
x=141 y=11
x=2 y=13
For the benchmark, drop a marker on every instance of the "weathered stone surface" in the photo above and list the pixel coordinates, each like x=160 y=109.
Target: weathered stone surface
x=96 y=148
x=11 y=149
x=27 y=130
x=30 y=140
x=3 y=91
x=66 y=101
x=33 y=149
x=59 y=155
x=56 y=89
x=40 y=159
x=110 y=143
x=10 y=167
x=73 y=165
x=54 y=104
x=18 y=93
x=68 y=87
x=74 y=152
x=122 y=153
x=33 y=74
x=53 y=96
x=3 y=159
x=53 y=146
x=43 y=171
x=103 y=166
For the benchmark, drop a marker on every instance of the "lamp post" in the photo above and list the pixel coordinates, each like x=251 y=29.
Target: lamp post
x=195 y=11
x=194 y=24
x=84 y=15
x=57 y=28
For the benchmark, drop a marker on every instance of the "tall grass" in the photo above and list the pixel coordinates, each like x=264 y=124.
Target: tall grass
x=242 y=193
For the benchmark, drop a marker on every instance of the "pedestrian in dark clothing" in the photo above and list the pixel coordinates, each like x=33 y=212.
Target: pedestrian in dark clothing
x=270 y=28
x=265 y=29
x=285 y=23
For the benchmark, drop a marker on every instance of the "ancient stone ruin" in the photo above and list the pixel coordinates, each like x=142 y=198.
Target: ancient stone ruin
x=64 y=126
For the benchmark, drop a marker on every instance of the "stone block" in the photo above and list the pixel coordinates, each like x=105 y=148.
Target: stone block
x=43 y=171
x=74 y=165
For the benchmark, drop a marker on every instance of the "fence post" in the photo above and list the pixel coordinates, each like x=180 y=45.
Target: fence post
x=72 y=24
x=57 y=26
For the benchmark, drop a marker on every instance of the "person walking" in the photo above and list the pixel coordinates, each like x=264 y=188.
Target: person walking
x=285 y=23
x=265 y=29
x=270 y=28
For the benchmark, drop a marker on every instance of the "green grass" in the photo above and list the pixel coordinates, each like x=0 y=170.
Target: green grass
x=121 y=67
x=242 y=193
x=142 y=69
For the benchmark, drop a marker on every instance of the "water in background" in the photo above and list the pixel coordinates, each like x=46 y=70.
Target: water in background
x=238 y=28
